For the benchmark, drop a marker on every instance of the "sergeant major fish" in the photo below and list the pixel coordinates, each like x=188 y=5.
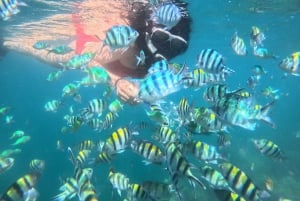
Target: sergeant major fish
x=78 y=61
x=241 y=183
x=6 y=164
x=118 y=140
x=22 y=189
x=177 y=164
x=52 y=106
x=200 y=78
x=212 y=61
x=214 y=178
x=291 y=64
x=61 y=49
x=95 y=106
x=238 y=45
x=151 y=152
x=256 y=36
x=9 y=8
x=167 y=14
x=120 y=37
x=161 y=65
x=269 y=148
x=118 y=180
x=160 y=84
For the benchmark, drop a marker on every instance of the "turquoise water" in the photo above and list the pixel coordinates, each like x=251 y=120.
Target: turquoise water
x=23 y=87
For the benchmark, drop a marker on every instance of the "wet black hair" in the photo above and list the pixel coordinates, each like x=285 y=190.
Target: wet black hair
x=139 y=18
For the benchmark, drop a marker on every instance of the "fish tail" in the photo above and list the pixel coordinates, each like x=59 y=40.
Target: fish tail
x=228 y=71
x=264 y=112
x=193 y=179
x=72 y=156
x=60 y=197
x=183 y=74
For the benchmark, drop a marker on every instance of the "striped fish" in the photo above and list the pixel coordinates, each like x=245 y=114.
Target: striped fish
x=148 y=150
x=199 y=78
x=214 y=92
x=178 y=165
x=37 y=165
x=118 y=180
x=118 y=141
x=52 y=106
x=137 y=192
x=88 y=194
x=78 y=61
x=69 y=190
x=214 y=178
x=167 y=15
x=269 y=148
x=82 y=156
x=241 y=183
x=202 y=151
x=212 y=61
x=157 y=114
x=165 y=135
x=95 y=124
x=95 y=106
x=256 y=36
x=120 y=37
x=227 y=195
x=86 y=145
x=104 y=157
x=161 y=65
x=160 y=84
x=9 y=8
x=109 y=119
x=22 y=189
x=83 y=177
x=158 y=190
x=238 y=45
x=6 y=164
x=184 y=111
x=291 y=64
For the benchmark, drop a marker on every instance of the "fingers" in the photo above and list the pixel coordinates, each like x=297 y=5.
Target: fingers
x=127 y=91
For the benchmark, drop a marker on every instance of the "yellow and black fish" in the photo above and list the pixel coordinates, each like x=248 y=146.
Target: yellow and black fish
x=117 y=141
x=238 y=45
x=269 y=148
x=118 y=180
x=241 y=183
x=151 y=152
x=22 y=189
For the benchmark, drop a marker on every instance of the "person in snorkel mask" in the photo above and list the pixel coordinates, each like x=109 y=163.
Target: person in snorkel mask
x=86 y=30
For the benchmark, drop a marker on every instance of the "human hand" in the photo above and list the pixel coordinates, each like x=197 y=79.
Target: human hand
x=127 y=91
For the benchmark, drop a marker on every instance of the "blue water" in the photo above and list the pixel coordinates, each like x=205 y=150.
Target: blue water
x=24 y=88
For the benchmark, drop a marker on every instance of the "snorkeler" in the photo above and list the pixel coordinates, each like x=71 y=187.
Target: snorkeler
x=84 y=31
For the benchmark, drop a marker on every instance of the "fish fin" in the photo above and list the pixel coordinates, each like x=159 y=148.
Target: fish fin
x=119 y=192
x=60 y=197
x=193 y=179
x=72 y=157
x=264 y=114
x=146 y=162
x=264 y=194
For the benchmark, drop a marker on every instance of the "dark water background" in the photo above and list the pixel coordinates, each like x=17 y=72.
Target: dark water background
x=23 y=87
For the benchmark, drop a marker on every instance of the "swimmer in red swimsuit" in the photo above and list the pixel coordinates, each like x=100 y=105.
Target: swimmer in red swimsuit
x=86 y=28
